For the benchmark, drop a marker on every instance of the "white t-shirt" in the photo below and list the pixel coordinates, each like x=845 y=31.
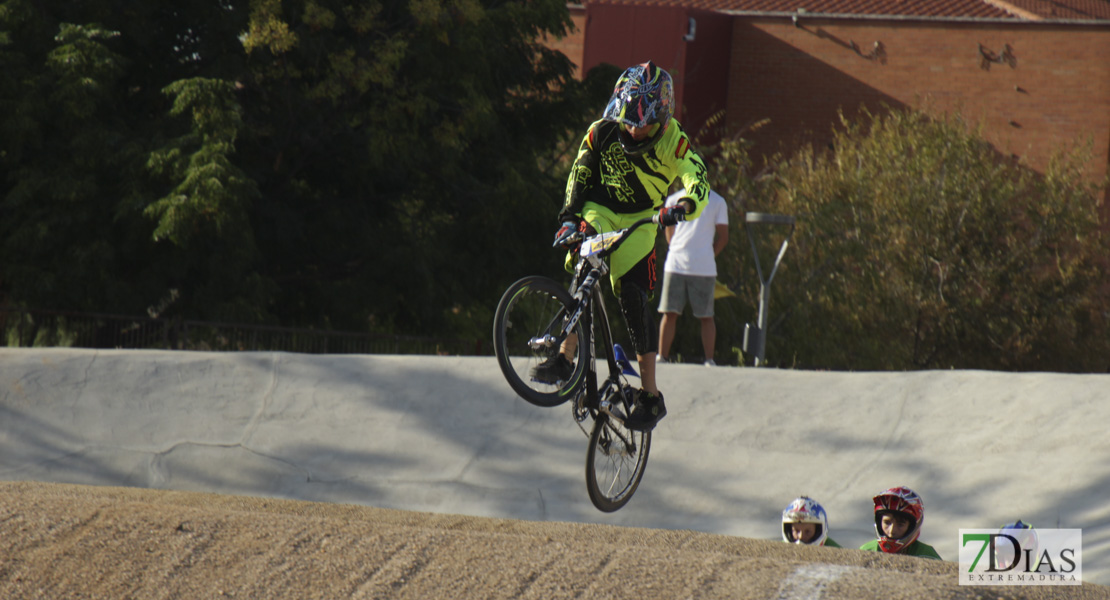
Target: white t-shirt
x=691 y=249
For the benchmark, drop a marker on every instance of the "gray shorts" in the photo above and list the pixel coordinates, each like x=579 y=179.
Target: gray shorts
x=679 y=288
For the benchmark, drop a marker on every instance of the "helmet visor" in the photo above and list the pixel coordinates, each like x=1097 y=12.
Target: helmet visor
x=641 y=133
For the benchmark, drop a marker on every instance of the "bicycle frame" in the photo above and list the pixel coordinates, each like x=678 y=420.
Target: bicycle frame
x=586 y=288
x=591 y=301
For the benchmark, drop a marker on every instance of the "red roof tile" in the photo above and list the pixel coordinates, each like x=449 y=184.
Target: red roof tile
x=1066 y=9
x=973 y=9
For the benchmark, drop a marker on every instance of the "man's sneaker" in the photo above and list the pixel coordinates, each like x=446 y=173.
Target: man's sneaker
x=553 y=370
x=663 y=359
x=711 y=363
x=647 y=413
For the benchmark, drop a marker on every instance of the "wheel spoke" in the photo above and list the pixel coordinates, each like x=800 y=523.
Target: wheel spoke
x=615 y=463
x=527 y=332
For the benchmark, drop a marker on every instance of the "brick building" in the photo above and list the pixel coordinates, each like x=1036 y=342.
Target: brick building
x=1035 y=73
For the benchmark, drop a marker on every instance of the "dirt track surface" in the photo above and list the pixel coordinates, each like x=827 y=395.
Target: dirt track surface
x=69 y=541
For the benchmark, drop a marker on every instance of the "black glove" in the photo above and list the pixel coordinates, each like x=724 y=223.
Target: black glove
x=564 y=234
x=672 y=215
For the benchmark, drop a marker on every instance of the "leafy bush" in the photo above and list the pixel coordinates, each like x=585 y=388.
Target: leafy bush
x=919 y=247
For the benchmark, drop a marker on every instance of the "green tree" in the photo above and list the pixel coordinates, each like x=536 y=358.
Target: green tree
x=919 y=247
x=64 y=154
x=381 y=166
x=397 y=155
x=83 y=110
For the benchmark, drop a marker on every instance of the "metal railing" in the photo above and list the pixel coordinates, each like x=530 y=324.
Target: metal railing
x=50 y=328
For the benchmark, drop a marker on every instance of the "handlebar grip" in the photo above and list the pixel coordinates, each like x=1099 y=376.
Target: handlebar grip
x=669 y=218
x=569 y=241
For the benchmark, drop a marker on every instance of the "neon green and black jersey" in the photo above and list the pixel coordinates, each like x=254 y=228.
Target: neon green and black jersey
x=633 y=183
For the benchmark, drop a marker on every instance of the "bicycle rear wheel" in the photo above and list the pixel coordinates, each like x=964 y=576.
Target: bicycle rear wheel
x=615 y=463
x=527 y=330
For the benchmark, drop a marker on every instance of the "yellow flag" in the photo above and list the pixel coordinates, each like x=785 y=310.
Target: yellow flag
x=721 y=290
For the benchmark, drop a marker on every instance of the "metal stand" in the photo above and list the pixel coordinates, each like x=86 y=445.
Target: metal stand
x=755 y=338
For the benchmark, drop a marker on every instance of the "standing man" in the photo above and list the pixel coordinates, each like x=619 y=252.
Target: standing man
x=690 y=273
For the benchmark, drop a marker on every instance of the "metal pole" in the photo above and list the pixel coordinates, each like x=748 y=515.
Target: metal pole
x=755 y=339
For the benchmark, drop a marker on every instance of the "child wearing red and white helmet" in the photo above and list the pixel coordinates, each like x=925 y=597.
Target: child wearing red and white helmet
x=899 y=513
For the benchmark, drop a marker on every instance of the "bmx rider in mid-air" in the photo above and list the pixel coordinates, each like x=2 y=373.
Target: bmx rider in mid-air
x=625 y=167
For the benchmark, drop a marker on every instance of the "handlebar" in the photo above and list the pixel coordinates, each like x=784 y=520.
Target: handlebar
x=606 y=243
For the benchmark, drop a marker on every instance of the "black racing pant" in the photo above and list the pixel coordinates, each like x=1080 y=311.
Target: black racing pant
x=635 y=290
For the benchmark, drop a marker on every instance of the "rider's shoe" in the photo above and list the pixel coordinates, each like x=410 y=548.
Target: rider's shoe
x=553 y=370
x=647 y=413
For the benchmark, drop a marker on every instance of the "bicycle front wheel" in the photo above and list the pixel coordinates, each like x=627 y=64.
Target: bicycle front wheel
x=527 y=331
x=615 y=463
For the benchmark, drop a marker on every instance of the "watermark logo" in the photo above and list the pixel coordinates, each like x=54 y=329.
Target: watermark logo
x=1021 y=557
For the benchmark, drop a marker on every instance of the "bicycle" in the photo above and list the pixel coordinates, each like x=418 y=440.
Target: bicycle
x=533 y=319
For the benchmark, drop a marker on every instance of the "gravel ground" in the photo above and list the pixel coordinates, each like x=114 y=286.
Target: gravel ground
x=70 y=541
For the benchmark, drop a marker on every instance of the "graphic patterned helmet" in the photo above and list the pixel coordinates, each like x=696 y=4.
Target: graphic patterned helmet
x=1026 y=536
x=805 y=510
x=906 y=503
x=643 y=96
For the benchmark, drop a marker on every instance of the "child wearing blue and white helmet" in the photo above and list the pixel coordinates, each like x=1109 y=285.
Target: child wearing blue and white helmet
x=804 y=522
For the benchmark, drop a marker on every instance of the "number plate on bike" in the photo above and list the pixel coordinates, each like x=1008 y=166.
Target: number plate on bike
x=598 y=243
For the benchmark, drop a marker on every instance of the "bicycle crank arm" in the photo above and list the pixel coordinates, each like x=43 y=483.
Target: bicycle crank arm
x=606 y=407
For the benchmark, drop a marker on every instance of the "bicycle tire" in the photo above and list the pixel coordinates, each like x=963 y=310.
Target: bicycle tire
x=529 y=309
x=615 y=463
